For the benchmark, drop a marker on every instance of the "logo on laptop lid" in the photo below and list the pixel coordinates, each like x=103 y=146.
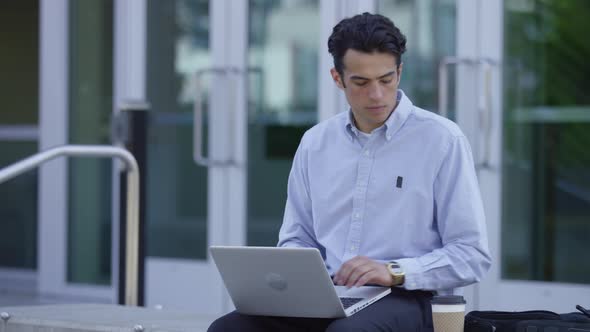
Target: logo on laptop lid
x=276 y=281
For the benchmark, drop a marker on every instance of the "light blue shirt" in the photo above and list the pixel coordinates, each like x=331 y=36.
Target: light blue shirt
x=408 y=194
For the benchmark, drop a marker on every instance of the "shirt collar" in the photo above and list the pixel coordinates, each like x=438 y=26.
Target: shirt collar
x=350 y=127
x=395 y=121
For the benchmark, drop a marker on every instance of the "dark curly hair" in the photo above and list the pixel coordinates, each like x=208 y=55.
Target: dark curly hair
x=366 y=33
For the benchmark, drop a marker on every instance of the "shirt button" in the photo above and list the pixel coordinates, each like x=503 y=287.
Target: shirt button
x=357 y=215
x=388 y=137
x=352 y=248
x=367 y=152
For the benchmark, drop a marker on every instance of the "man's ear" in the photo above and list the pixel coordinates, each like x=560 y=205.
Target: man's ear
x=337 y=78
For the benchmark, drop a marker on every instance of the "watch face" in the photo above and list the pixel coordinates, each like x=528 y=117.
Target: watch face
x=396 y=273
x=395 y=269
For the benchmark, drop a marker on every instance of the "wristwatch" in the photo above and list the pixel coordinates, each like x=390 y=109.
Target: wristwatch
x=397 y=274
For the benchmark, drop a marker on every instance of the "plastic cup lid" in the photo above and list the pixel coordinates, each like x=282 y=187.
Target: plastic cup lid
x=448 y=299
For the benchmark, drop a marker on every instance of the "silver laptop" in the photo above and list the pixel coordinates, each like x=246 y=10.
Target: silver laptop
x=289 y=282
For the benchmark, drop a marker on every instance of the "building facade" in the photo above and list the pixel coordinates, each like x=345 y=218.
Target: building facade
x=512 y=74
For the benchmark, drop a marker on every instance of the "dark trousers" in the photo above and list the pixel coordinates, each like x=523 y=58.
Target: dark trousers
x=400 y=311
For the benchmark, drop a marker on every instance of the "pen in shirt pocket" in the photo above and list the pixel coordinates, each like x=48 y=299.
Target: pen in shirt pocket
x=399 y=182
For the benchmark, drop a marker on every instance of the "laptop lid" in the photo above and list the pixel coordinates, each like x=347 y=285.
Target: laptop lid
x=272 y=281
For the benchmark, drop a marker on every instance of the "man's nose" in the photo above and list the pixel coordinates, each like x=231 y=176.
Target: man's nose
x=375 y=92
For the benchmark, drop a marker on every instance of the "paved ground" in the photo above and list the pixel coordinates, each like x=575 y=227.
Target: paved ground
x=98 y=317
x=10 y=298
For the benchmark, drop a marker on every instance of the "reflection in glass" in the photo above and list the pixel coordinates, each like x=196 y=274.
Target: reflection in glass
x=430 y=28
x=546 y=160
x=176 y=211
x=89 y=180
x=283 y=46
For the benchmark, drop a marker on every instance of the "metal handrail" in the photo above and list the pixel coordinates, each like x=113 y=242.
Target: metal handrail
x=131 y=250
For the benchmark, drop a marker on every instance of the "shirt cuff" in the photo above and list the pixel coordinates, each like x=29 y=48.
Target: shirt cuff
x=412 y=272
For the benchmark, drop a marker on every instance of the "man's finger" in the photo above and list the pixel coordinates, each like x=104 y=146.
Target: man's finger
x=352 y=271
x=343 y=274
x=366 y=278
x=357 y=273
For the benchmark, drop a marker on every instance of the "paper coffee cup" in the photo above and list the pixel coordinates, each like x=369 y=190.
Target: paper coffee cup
x=448 y=313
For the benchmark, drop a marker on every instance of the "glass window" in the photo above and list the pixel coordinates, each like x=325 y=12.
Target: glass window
x=19 y=68
x=89 y=180
x=18 y=210
x=283 y=94
x=546 y=160
x=19 y=62
x=176 y=211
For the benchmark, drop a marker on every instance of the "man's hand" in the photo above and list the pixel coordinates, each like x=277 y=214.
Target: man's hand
x=362 y=270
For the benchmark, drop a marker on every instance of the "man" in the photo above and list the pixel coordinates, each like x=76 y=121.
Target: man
x=387 y=192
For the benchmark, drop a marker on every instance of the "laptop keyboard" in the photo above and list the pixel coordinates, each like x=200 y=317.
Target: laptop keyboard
x=350 y=301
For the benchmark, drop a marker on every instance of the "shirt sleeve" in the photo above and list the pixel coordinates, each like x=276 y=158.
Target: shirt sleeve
x=464 y=256
x=297 y=227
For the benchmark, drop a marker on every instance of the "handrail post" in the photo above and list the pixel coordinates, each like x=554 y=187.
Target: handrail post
x=132 y=243
x=131 y=249
x=131 y=123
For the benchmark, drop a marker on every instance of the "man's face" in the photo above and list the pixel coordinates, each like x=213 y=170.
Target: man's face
x=370 y=82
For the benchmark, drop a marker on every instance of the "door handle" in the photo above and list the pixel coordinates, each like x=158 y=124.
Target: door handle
x=198 y=132
x=484 y=99
x=443 y=77
x=486 y=115
x=231 y=74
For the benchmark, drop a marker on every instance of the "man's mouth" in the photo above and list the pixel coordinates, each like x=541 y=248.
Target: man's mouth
x=376 y=108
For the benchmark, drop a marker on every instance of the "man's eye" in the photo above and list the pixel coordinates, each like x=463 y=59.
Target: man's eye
x=386 y=81
x=360 y=83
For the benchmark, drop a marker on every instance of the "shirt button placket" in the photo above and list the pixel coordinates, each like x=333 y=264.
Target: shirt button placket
x=359 y=197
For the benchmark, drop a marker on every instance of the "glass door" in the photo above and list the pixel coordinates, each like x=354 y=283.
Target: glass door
x=89 y=189
x=75 y=194
x=543 y=202
x=197 y=164
x=256 y=83
x=443 y=66
x=178 y=273
x=282 y=104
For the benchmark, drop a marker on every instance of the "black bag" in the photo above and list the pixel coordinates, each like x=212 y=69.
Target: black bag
x=527 y=321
